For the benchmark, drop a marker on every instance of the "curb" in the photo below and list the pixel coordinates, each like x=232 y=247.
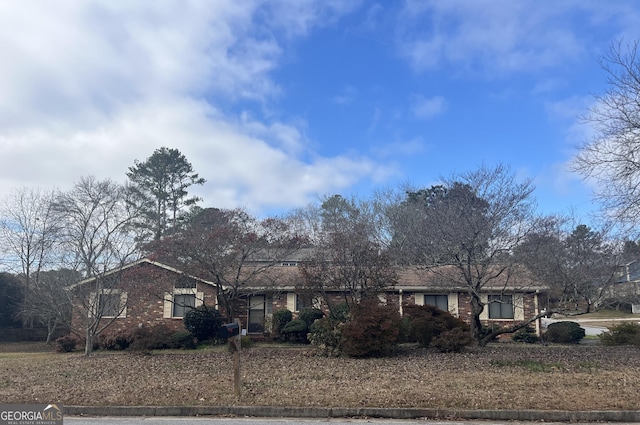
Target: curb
x=346 y=412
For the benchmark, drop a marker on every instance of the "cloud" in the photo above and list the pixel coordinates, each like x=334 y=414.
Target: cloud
x=88 y=87
x=428 y=107
x=346 y=96
x=490 y=37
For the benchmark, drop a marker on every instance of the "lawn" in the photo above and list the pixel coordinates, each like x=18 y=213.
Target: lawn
x=503 y=376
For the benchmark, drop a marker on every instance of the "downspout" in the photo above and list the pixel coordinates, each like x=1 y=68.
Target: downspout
x=400 y=302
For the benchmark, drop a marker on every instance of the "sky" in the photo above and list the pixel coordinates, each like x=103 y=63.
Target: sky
x=277 y=103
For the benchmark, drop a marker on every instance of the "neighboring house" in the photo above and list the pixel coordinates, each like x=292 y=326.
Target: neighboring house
x=626 y=286
x=144 y=293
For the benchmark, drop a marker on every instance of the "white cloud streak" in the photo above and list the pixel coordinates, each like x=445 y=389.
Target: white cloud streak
x=88 y=87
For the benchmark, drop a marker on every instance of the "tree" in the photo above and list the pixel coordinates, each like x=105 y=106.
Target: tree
x=50 y=304
x=230 y=248
x=160 y=184
x=578 y=264
x=10 y=300
x=29 y=233
x=468 y=230
x=99 y=235
x=612 y=156
x=347 y=257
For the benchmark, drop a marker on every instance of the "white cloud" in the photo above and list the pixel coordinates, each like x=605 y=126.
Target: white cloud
x=88 y=87
x=428 y=107
x=489 y=36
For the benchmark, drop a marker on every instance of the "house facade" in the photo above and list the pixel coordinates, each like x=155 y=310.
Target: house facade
x=144 y=293
x=149 y=293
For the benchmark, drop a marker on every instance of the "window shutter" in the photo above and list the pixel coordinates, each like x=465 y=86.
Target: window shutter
x=93 y=304
x=419 y=297
x=291 y=301
x=123 y=305
x=484 y=299
x=518 y=307
x=167 y=305
x=453 y=304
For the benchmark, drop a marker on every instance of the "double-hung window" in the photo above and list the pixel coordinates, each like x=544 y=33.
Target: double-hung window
x=439 y=301
x=500 y=306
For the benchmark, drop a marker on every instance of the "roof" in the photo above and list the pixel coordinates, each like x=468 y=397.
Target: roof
x=137 y=263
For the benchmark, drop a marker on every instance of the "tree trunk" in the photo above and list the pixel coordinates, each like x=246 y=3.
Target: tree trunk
x=88 y=345
x=475 y=325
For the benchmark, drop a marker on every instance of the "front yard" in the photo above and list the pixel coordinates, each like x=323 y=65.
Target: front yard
x=507 y=376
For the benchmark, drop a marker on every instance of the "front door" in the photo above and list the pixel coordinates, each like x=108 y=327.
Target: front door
x=256 y=314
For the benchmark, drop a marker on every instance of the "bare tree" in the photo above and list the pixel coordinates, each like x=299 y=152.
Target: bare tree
x=466 y=231
x=29 y=233
x=99 y=233
x=612 y=156
x=579 y=264
x=230 y=248
x=348 y=258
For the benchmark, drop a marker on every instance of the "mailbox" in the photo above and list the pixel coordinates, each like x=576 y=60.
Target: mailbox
x=229 y=330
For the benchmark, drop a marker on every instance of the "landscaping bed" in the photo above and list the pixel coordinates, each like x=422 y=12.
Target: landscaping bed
x=503 y=376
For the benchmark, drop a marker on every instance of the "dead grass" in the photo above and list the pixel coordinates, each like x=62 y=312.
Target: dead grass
x=506 y=376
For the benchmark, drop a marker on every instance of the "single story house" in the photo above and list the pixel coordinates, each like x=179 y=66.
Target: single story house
x=148 y=293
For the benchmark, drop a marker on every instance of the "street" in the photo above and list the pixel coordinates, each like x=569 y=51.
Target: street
x=164 y=420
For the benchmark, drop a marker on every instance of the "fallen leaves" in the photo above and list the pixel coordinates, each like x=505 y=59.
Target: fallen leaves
x=507 y=376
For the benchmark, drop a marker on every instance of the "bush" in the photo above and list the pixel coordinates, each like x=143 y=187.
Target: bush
x=452 y=340
x=526 y=335
x=66 y=344
x=149 y=338
x=372 y=332
x=326 y=334
x=310 y=315
x=279 y=321
x=623 y=334
x=182 y=339
x=424 y=323
x=564 y=333
x=296 y=330
x=203 y=322
x=114 y=341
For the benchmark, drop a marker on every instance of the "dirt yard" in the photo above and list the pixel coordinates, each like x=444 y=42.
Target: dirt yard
x=507 y=376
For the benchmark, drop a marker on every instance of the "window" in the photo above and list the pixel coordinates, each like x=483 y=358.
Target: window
x=438 y=301
x=301 y=303
x=183 y=303
x=500 y=307
x=109 y=303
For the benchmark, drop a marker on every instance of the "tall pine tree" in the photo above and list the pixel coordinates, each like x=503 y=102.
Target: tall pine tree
x=160 y=184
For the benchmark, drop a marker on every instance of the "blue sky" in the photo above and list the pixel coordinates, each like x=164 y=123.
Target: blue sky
x=279 y=102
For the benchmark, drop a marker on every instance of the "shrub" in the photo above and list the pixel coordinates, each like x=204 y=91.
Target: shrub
x=245 y=342
x=310 y=315
x=564 y=333
x=182 y=339
x=326 y=334
x=66 y=344
x=203 y=322
x=296 y=330
x=623 y=334
x=372 y=332
x=149 y=338
x=278 y=322
x=452 y=340
x=114 y=341
x=427 y=322
x=526 y=335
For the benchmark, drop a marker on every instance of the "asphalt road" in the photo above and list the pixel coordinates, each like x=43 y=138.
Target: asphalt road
x=282 y=421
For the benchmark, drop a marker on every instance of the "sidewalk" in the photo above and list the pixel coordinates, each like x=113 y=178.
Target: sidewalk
x=345 y=412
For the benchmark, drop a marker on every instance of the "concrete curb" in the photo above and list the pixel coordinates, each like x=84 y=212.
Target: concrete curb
x=345 y=412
